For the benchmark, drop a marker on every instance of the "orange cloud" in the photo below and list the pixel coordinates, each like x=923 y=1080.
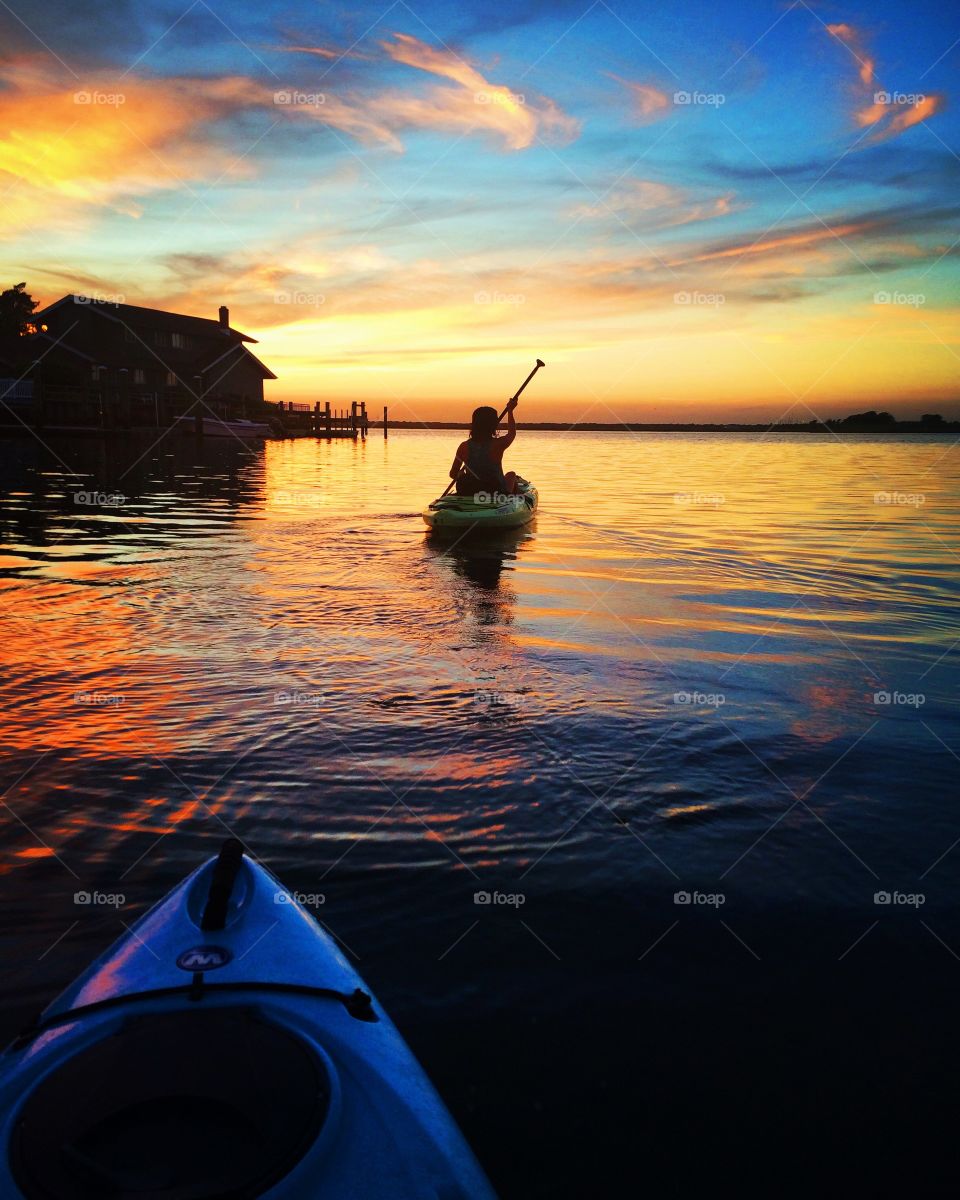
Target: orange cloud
x=890 y=112
x=853 y=40
x=893 y=112
x=660 y=204
x=643 y=195
x=106 y=143
x=923 y=107
x=319 y=51
x=414 y=53
x=650 y=103
x=371 y=123
x=872 y=114
x=474 y=105
x=803 y=238
x=65 y=150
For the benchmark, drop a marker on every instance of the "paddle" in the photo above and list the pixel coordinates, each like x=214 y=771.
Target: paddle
x=515 y=396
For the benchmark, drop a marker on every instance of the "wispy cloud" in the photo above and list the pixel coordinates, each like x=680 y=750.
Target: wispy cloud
x=649 y=103
x=854 y=40
x=656 y=205
x=474 y=104
x=920 y=110
x=341 y=211
x=65 y=148
x=319 y=51
x=312 y=279
x=806 y=237
x=889 y=112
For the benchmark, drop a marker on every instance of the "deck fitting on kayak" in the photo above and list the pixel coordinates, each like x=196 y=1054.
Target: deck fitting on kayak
x=225 y=873
x=360 y=1005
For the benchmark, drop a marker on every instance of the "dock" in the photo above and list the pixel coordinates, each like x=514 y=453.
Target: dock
x=305 y=420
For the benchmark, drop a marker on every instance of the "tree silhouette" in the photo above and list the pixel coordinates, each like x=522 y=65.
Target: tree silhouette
x=16 y=311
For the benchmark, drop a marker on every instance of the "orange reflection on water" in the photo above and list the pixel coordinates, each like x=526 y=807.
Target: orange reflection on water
x=686 y=810
x=830 y=709
x=657 y=564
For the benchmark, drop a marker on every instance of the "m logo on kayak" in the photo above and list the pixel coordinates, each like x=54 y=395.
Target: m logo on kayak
x=204 y=958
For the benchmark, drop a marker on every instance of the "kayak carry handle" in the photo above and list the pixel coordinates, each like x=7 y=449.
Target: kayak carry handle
x=224 y=876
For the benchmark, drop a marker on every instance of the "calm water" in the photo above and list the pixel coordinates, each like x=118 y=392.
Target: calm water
x=666 y=685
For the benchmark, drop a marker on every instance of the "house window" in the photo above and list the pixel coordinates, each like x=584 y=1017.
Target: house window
x=161 y=338
x=179 y=341
x=139 y=375
x=171 y=379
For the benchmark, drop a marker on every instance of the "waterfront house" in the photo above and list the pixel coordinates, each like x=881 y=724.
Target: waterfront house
x=94 y=363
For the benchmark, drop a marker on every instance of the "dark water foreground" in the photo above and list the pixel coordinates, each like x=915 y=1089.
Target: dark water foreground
x=722 y=672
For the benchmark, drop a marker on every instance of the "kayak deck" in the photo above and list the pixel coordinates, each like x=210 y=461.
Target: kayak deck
x=224 y=1047
x=496 y=512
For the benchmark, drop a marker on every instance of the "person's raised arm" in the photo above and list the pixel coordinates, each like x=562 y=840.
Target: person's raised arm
x=511 y=425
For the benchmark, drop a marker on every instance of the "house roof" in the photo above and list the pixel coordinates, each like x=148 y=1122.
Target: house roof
x=133 y=314
x=222 y=359
x=140 y=320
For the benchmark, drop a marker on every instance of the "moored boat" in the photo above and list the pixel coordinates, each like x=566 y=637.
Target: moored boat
x=234 y=427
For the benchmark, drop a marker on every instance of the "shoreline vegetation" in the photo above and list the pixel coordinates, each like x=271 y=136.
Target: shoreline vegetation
x=869 y=422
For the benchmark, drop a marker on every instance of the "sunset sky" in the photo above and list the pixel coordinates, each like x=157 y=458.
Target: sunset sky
x=727 y=211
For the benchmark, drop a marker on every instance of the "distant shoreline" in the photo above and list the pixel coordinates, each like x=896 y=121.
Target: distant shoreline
x=838 y=427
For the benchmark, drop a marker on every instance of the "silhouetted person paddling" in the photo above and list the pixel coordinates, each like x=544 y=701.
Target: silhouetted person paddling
x=478 y=466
